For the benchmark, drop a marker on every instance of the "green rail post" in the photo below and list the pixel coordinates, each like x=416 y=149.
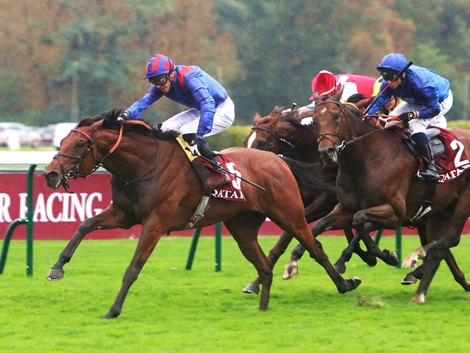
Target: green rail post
x=192 y=250
x=218 y=248
x=378 y=235
x=29 y=227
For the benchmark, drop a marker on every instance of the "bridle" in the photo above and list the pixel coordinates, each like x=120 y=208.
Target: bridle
x=350 y=137
x=76 y=172
x=282 y=141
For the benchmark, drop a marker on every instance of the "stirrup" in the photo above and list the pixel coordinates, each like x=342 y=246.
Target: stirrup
x=429 y=174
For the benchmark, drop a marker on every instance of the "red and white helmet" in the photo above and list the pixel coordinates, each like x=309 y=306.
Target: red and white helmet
x=324 y=83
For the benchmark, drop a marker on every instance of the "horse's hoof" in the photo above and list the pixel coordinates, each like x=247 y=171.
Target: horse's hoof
x=392 y=258
x=251 y=288
x=371 y=261
x=351 y=284
x=55 y=274
x=291 y=270
x=418 y=299
x=341 y=268
x=411 y=261
x=409 y=279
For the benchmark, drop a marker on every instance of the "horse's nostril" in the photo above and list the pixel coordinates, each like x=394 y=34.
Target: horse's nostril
x=51 y=175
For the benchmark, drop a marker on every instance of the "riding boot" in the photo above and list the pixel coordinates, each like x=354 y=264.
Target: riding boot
x=430 y=168
x=205 y=150
x=209 y=180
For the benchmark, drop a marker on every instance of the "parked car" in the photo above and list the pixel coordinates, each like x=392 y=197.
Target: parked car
x=60 y=131
x=47 y=135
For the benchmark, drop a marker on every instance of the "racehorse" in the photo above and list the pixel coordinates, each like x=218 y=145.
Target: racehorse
x=283 y=132
x=153 y=184
x=377 y=187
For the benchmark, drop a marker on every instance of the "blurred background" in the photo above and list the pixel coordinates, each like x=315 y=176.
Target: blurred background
x=64 y=60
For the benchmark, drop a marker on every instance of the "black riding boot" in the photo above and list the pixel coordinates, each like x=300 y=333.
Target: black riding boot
x=430 y=168
x=206 y=151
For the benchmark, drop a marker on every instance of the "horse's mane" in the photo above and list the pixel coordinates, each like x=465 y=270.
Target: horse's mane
x=111 y=123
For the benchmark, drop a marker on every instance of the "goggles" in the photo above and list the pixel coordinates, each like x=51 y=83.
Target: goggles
x=159 y=80
x=389 y=75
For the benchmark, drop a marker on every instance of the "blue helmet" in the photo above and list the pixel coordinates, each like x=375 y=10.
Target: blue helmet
x=393 y=61
x=159 y=64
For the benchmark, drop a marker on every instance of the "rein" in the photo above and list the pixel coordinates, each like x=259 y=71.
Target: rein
x=272 y=135
x=348 y=140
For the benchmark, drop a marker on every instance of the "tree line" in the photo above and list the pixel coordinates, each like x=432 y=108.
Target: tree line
x=64 y=60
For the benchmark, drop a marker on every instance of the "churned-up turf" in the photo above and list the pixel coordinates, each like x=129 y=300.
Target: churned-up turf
x=172 y=310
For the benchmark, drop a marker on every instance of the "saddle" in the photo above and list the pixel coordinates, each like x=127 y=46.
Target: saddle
x=447 y=150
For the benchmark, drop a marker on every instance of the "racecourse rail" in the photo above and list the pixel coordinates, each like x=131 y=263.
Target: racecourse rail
x=56 y=214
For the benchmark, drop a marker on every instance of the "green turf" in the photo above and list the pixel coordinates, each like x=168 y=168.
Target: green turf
x=170 y=309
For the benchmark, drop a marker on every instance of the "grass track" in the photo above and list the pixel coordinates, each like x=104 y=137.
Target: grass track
x=172 y=310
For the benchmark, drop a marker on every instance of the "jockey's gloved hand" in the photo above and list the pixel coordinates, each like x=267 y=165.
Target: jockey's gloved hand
x=405 y=117
x=122 y=117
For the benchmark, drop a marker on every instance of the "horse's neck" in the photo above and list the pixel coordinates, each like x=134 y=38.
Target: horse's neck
x=135 y=155
x=378 y=151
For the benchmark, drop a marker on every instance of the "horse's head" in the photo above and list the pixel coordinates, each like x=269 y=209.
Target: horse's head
x=330 y=123
x=262 y=135
x=78 y=155
x=283 y=132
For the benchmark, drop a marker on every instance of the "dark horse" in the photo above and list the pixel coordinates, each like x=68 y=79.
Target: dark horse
x=378 y=188
x=283 y=132
x=153 y=184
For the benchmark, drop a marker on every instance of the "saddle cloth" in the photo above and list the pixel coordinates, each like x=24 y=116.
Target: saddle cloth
x=450 y=156
x=231 y=191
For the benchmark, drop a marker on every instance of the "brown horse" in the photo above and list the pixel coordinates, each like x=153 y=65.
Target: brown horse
x=378 y=188
x=283 y=132
x=153 y=184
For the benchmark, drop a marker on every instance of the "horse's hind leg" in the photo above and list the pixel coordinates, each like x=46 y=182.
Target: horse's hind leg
x=112 y=217
x=274 y=254
x=244 y=229
x=459 y=276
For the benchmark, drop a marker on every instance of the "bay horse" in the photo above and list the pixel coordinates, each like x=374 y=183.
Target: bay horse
x=153 y=184
x=283 y=132
x=377 y=187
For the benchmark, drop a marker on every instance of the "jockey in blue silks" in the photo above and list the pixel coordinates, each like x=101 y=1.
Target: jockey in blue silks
x=211 y=109
x=426 y=98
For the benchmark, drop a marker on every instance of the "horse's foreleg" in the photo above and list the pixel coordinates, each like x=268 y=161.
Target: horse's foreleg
x=147 y=241
x=367 y=257
x=274 y=255
x=112 y=217
x=383 y=216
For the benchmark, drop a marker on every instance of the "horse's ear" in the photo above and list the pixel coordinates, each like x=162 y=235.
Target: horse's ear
x=256 y=117
x=97 y=125
x=337 y=96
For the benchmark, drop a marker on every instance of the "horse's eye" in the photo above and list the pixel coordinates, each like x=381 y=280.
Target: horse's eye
x=80 y=145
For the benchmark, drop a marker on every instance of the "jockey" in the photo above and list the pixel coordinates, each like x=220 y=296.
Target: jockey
x=426 y=98
x=326 y=83
x=391 y=104
x=211 y=109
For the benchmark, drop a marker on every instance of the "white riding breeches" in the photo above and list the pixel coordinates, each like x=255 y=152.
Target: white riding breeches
x=187 y=122
x=420 y=125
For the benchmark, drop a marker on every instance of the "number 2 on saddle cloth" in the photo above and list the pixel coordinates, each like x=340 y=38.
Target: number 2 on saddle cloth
x=450 y=157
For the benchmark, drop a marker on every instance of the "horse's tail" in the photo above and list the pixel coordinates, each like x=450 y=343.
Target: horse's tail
x=309 y=182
